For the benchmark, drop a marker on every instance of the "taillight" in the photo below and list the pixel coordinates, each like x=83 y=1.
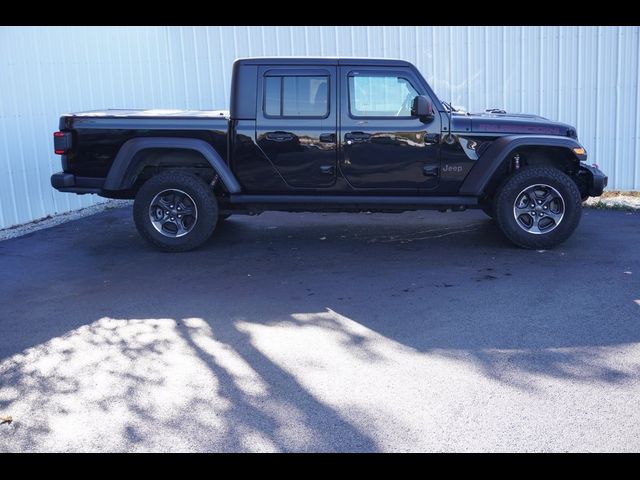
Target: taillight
x=62 y=142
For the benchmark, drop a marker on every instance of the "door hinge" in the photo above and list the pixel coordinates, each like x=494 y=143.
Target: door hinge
x=431 y=138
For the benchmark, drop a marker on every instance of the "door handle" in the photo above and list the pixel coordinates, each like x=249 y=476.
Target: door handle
x=429 y=171
x=326 y=169
x=328 y=138
x=279 y=136
x=356 y=137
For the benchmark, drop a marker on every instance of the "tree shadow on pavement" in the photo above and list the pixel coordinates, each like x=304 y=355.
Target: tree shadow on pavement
x=279 y=333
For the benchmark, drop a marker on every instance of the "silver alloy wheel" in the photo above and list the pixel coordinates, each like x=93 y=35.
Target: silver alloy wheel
x=538 y=209
x=173 y=213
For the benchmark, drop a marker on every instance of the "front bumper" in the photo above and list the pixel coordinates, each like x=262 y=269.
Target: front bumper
x=598 y=180
x=68 y=182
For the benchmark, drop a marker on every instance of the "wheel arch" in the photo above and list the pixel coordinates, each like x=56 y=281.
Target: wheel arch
x=139 y=153
x=495 y=163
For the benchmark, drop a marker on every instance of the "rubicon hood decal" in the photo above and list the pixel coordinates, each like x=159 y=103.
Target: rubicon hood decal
x=515 y=128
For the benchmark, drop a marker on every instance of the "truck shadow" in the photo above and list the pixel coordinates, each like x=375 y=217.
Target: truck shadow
x=262 y=339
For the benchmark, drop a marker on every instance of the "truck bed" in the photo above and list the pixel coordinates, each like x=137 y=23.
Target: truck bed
x=98 y=135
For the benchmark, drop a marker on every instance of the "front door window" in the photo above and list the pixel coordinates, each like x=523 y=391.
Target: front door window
x=380 y=96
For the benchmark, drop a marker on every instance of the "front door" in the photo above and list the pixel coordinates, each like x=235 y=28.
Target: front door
x=297 y=124
x=383 y=145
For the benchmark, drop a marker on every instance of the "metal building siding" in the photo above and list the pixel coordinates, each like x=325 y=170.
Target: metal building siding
x=47 y=71
x=586 y=76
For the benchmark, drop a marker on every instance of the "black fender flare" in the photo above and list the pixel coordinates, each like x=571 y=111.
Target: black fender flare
x=116 y=179
x=489 y=162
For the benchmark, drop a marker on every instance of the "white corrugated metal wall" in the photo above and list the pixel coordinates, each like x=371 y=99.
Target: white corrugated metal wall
x=586 y=76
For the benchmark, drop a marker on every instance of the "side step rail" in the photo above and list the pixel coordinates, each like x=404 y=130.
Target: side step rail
x=353 y=200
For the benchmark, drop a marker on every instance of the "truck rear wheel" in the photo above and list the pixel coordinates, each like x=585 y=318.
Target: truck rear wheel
x=175 y=211
x=538 y=207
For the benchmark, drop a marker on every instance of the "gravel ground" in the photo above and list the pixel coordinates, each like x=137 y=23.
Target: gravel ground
x=321 y=332
x=616 y=200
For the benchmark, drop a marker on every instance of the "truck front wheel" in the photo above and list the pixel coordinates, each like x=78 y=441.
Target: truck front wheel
x=175 y=211
x=538 y=207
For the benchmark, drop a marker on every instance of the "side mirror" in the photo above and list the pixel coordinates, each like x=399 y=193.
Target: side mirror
x=422 y=108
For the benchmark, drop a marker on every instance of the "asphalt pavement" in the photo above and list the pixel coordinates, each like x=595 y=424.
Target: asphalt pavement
x=322 y=332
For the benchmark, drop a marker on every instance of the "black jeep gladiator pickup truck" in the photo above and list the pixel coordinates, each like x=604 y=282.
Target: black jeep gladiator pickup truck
x=328 y=135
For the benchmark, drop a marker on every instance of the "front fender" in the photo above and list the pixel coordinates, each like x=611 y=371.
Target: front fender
x=117 y=177
x=489 y=162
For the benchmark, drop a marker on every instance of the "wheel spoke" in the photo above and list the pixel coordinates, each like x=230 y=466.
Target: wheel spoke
x=555 y=216
x=180 y=227
x=526 y=221
x=547 y=197
x=523 y=202
x=548 y=200
x=164 y=203
x=177 y=200
x=182 y=207
x=533 y=197
x=535 y=228
x=163 y=227
x=186 y=210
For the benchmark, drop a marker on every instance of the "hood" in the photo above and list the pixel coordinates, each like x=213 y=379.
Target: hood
x=510 y=123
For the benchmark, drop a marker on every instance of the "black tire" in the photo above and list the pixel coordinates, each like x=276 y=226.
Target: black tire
x=511 y=191
x=197 y=191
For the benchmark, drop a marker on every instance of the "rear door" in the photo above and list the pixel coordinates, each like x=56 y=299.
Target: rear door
x=383 y=145
x=297 y=123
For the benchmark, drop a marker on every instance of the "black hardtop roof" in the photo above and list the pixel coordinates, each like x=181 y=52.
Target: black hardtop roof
x=388 y=62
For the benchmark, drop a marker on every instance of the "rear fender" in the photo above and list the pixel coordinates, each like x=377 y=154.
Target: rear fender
x=123 y=171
